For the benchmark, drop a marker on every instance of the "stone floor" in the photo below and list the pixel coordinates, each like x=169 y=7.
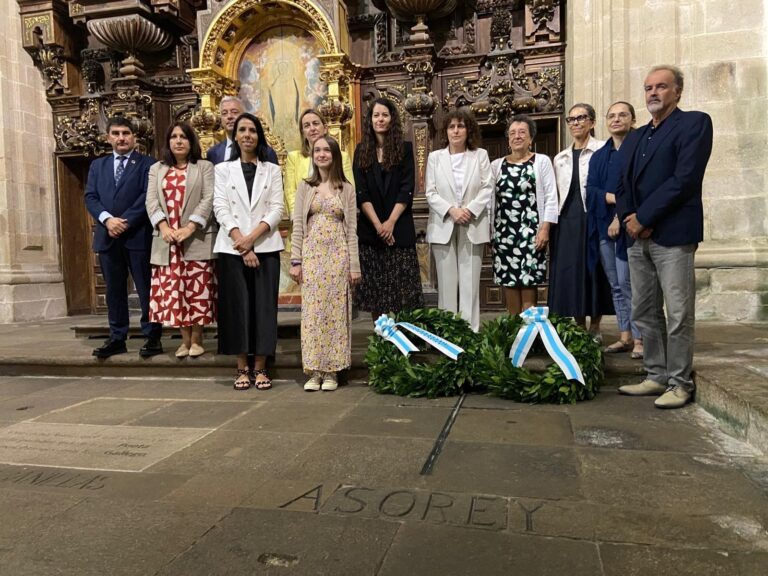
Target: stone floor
x=142 y=476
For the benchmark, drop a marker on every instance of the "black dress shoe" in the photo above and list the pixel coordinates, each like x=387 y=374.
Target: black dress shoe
x=110 y=348
x=152 y=347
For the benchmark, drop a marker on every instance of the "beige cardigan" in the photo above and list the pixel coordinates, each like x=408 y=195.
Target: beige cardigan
x=304 y=196
x=197 y=206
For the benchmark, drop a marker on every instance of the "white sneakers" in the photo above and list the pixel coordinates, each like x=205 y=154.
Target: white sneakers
x=329 y=382
x=313 y=384
x=325 y=381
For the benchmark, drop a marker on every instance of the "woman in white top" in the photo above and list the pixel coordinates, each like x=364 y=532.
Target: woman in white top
x=524 y=208
x=248 y=203
x=574 y=289
x=458 y=189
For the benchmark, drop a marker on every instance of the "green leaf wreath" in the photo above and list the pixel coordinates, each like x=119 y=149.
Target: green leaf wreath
x=485 y=365
x=495 y=370
x=428 y=372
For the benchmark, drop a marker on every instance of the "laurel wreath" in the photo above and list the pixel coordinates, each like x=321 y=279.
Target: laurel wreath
x=485 y=365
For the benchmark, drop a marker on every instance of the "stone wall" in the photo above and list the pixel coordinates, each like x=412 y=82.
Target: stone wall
x=31 y=286
x=723 y=50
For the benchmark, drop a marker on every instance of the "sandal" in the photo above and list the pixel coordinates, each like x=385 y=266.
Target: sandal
x=241 y=384
x=265 y=384
x=637 y=352
x=618 y=347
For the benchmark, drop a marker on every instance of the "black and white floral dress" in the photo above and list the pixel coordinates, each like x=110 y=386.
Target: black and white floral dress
x=516 y=263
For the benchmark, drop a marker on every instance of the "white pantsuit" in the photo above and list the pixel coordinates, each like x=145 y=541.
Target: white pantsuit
x=458 y=249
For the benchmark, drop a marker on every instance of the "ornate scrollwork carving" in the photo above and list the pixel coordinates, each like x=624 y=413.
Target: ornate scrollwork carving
x=81 y=133
x=542 y=21
x=49 y=59
x=504 y=87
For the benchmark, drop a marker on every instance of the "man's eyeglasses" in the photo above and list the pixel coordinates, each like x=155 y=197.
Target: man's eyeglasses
x=619 y=115
x=580 y=119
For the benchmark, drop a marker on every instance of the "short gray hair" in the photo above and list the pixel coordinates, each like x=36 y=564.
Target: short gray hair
x=231 y=99
x=676 y=72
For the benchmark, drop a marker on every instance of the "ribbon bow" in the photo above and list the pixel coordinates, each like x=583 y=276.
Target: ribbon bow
x=386 y=327
x=537 y=322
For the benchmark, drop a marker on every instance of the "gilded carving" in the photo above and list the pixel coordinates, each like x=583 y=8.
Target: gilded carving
x=420 y=135
x=81 y=133
x=49 y=59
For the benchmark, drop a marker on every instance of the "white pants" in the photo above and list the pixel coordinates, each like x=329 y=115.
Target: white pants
x=458 y=276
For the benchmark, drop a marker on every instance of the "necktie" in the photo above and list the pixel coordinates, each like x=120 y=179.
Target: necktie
x=120 y=169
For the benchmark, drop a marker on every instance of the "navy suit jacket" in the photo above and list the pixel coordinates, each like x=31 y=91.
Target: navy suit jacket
x=664 y=187
x=216 y=153
x=126 y=200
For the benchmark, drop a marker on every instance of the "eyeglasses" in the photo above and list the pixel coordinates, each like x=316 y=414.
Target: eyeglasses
x=580 y=119
x=619 y=115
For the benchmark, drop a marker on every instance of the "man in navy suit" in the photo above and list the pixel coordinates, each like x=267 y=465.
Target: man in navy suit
x=229 y=109
x=115 y=196
x=659 y=201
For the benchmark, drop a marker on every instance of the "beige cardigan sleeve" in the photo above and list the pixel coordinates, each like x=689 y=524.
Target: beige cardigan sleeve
x=350 y=217
x=297 y=235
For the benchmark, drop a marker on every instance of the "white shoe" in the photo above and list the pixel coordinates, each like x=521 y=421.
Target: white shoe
x=645 y=388
x=674 y=397
x=329 y=382
x=313 y=384
x=196 y=350
x=182 y=351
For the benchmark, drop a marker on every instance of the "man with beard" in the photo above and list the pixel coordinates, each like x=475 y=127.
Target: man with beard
x=659 y=202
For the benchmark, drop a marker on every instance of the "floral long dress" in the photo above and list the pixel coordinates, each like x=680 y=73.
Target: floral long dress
x=326 y=306
x=183 y=293
x=516 y=263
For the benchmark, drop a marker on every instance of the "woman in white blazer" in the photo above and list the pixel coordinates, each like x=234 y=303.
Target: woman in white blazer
x=574 y=290
x=179 y=203
x=248 y=203
x=458 y=189
x=524 y=207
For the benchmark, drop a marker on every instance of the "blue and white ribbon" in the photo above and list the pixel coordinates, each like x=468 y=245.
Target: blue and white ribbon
x=386 y=327
x=537 y=322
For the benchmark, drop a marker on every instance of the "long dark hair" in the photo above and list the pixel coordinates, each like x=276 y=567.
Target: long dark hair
x=195 y=152
x=465 y=115
x=261 y=146
x=336 y=176
x=392 y=152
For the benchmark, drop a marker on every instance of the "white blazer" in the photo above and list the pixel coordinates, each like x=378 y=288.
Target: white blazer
x=233 y=209
x=441 y=195
x=546 y=188
x=564 y=170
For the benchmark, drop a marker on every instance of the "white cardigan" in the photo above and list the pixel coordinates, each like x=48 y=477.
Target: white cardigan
x=546 y=188
x=564 y=170
x=233 y=209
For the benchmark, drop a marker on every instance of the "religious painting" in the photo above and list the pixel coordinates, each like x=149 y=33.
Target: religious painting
x=280 y=77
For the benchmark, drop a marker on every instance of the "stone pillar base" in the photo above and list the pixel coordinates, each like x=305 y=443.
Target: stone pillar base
x=32 y=302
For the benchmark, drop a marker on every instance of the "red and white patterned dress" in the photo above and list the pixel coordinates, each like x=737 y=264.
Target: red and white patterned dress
x=183 y=293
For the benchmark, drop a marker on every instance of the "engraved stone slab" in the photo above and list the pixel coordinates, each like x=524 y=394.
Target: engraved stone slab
x=92 y=447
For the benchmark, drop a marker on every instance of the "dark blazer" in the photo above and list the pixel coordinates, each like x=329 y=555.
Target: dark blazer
x=126 y=200
x=664 y=186
x=216 y=153
x=384 y=189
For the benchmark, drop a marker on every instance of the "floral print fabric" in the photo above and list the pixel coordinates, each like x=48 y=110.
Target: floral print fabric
x=183 y=293
x=516 y=263
x=326 y=307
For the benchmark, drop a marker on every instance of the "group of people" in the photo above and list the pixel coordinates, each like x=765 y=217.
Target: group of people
x=202 y=242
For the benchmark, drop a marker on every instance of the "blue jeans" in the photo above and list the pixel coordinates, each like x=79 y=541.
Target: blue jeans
x=663 y=280
x=617 y=271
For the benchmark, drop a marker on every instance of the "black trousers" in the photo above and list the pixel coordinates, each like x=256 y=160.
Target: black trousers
x=247 y=306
